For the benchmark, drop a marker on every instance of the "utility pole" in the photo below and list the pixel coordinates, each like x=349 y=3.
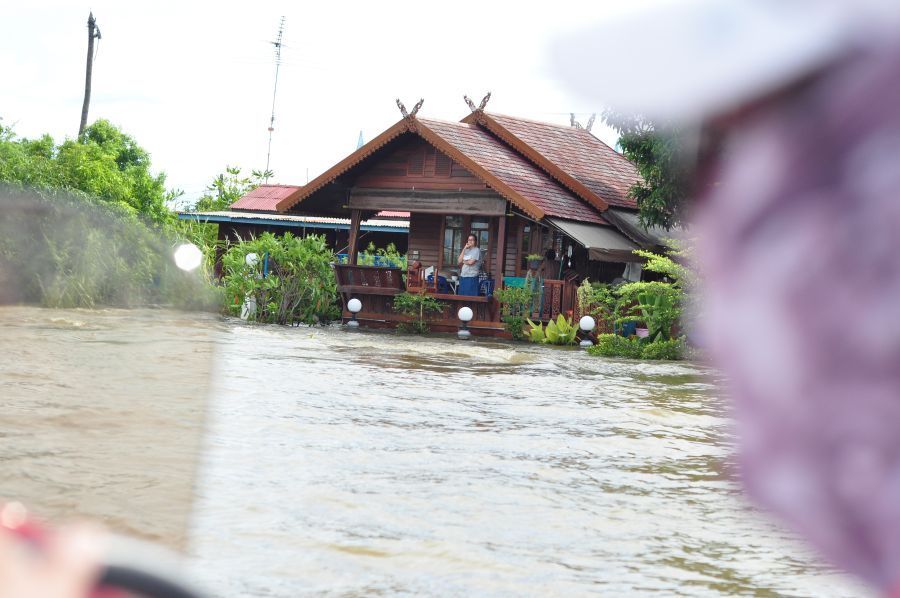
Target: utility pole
x=277 y=44
x=93 y=32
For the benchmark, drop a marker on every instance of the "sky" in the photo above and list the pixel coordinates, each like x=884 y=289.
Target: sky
x=192 y=81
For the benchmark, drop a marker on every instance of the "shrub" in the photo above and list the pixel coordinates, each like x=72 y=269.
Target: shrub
x=299 y=286
x=672 y=350
x=417 y=306
x=558 y=332
x=613 y=345
x=514 y=304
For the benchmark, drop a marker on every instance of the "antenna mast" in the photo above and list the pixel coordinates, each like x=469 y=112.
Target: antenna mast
x=277 y=44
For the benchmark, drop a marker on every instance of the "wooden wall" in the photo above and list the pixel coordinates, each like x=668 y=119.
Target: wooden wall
x=425 y=237
x=417 y=164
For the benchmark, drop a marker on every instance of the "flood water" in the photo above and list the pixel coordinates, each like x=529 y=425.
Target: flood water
x=364 y=463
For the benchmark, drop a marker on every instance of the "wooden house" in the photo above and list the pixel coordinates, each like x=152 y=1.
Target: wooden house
x=522 y=187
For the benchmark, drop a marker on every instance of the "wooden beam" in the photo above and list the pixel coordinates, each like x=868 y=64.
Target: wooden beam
x=501 y=249
x=444 y=203
x=354 y=235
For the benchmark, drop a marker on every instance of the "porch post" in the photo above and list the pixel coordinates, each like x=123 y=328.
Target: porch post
x=501 y=252
x=354 y=234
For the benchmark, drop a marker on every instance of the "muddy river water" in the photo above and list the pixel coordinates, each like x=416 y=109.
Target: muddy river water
x=364 y=463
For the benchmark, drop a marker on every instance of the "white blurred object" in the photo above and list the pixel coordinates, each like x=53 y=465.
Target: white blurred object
x=188 y=257
x=248 y=308
x=251 y=259
x=688 y=59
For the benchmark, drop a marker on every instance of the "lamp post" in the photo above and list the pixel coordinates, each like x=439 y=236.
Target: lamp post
x=586 y=324
x=465 y=316
x=354 y=306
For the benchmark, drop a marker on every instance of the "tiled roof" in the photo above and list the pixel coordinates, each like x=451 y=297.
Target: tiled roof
x=265 y=197
x=390 y=214
x=576 y=152
x=512 y=170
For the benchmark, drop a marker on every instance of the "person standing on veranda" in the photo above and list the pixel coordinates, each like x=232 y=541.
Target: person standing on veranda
x=470 y=265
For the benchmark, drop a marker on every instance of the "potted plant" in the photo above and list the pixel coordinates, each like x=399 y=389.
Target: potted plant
x=534 y=260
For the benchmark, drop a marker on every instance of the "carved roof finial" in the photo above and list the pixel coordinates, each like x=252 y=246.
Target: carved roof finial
x=573 y=122
x=402 y=108
x=414 y=110
x=480 y=107
x=591 y=122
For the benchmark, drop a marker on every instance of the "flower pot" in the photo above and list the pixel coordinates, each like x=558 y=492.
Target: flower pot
x=534 y=264
x=642 y=332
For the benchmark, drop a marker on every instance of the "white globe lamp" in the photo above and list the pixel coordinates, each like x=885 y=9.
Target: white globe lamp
x=354 y=306
x=251 y=259
x=586 y=324
x=465 y=316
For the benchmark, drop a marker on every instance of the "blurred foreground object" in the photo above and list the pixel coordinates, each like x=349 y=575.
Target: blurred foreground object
x=799 y=242
x=108 y=354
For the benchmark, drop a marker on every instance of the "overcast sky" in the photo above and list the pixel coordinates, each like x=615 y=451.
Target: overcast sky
x=192 y=81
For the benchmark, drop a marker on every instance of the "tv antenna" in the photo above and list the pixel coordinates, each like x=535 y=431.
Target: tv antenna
x=277 y=44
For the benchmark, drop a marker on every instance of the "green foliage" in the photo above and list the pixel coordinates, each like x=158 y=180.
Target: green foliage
x=515 y=303
x=671 y=350
x=602 y=301
x=558 y=332
x=561 y=331
x=227 y=187
x=515 y=325
x=534 y=257
x=536 y=333
x=387 y=256
x=613 y=345
x=655 y=151
x=417 y=306
x=300 y=286
x=106 y=164
x=657 y=304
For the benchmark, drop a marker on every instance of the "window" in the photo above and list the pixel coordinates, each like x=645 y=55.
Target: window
x=525 y=248
x=453 y=240
x=481 y=228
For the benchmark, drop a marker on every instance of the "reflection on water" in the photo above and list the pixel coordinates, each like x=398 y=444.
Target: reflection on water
x=347 y=463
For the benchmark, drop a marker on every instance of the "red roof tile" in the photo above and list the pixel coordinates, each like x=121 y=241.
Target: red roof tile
x=576 y=152
x=390 y=214
x=513 y=170
x=265 y=197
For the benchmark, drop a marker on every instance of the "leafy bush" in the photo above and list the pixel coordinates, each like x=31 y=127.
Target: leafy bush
x=613 y=345
x=515 y=303
x=418 y=306
x=558 y=332
x=536 y=333
x=300 y=285
x=672 y=350
x=657 y=304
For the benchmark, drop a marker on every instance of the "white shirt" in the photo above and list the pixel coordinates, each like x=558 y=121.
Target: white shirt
x=472 y=253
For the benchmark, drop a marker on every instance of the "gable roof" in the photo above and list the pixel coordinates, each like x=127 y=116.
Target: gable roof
x=582 y=163
x=496 y=164
x=266 y=197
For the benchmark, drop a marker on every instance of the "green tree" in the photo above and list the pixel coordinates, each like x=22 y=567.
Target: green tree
x=656 y=152
x=229 y=186
x=107 y=164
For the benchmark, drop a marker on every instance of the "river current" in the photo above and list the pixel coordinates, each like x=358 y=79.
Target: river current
x=368 y=463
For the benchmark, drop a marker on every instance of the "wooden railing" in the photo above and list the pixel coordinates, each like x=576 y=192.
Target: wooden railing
x=376 y=286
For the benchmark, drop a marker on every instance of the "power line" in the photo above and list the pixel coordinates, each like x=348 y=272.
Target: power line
x=277 y=44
